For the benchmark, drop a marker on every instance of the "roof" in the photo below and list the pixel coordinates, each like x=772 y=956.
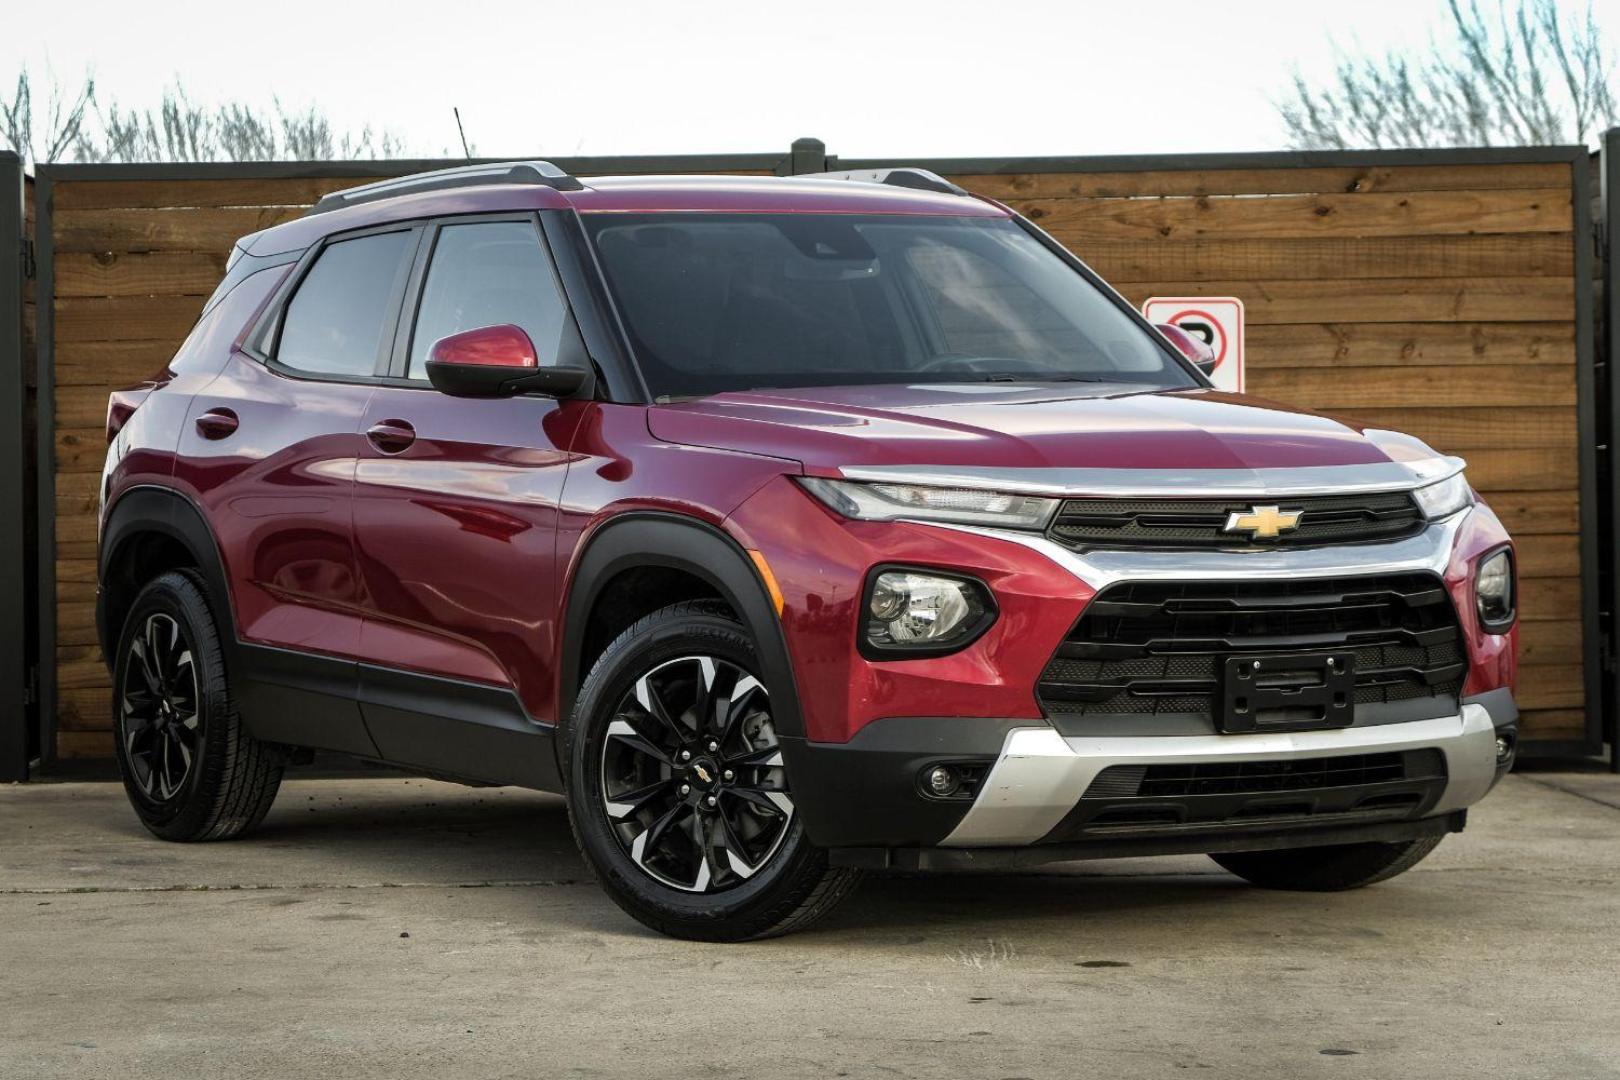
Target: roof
x=627 y=194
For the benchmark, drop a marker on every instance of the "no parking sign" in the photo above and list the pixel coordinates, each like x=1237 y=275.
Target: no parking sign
x=1216 y=320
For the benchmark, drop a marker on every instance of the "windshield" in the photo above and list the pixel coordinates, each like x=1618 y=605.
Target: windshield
x=717 y=302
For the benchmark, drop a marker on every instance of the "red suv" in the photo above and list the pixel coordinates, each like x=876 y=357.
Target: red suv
x=791 y=528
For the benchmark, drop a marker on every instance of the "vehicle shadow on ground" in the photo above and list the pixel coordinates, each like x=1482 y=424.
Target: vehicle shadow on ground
x=506 y=836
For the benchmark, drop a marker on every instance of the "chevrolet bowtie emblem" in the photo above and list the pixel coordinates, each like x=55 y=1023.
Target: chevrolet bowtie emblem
x=702 y=773
x=1263 y=522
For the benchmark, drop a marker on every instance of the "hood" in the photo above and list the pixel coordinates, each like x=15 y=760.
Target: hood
x=999 y=425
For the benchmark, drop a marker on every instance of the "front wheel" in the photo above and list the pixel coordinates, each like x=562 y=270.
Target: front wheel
x=677 y=790
x=1327 y=869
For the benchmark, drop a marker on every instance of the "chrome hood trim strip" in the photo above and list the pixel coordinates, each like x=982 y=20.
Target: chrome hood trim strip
x=1173 y=483
x=1430 y=550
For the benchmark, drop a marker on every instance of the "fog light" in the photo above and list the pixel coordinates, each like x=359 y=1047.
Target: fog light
x=1493 y=591
x=943 y=781
x=909 y=612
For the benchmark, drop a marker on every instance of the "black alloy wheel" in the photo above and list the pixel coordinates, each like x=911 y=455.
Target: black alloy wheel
x=678 y=791
x=692 y=775
x=158 y=704
x=191 y=769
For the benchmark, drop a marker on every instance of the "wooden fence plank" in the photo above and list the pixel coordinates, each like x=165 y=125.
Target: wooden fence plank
x=126 y=318
x=1536 y=210
x=148 y=273
x=1275 y=181
x=1552 y=725
x=1542 y=643
x=1459 y=430
x=161 y=194
x=1551 y=686
x=1549 y=556
x=109 y=364
x=1340 y=345
x=72 y=745
x=161 y=230
x=293 y=192
x=1491 y=471
x=1549 y=599
x=80 y=450
x=1533 y=513
x=1222 y=259
x=1548 y=384
x=1393 y=300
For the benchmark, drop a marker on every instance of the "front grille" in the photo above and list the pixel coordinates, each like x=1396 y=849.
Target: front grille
x=1201 y=523
x=1158 y=648
x=1265 y=777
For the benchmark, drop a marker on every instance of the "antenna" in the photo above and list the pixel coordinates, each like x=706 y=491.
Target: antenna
x=463 y=132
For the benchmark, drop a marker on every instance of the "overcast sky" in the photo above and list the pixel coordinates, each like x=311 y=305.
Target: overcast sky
x=871 y=77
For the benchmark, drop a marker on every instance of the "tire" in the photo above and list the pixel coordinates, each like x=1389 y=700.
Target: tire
x=1327 y=869
x=191 y=770
x=638 y=808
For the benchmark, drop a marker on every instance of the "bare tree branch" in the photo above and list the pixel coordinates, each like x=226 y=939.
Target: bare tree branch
x=80 y=126
x=1521 y=73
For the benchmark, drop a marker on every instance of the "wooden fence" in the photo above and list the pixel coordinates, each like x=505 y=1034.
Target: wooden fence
x=1443 y=294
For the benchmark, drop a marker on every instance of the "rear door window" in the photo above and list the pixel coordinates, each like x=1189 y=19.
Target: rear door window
x=337 y=321
x=487 y=273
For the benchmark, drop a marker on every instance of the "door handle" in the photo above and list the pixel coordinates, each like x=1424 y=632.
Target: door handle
x=216 y=423
x=391 y=436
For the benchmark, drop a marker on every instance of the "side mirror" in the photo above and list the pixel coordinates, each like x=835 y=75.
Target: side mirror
x=1196 y=349
x=497 y=361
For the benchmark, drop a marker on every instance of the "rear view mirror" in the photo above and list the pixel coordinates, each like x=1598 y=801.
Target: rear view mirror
x=497 y=361
x=1196 y=349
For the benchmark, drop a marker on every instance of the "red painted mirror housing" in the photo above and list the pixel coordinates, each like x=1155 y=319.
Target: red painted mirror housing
x=502 y=345
x=497 y=361
x=1193 y=348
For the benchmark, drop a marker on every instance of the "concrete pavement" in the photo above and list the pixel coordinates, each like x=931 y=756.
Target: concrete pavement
x=287 y=955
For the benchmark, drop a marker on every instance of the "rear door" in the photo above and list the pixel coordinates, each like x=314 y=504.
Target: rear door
x=456 y=507
x=270 y=447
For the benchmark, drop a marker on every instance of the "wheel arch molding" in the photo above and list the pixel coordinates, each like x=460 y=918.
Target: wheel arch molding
x=147 y=511
x=656 y=539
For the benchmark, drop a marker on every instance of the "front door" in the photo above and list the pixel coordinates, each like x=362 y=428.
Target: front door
x=455 y=511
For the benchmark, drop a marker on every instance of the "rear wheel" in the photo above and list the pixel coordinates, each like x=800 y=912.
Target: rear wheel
x=677 y=790
x=1327 y=869
x=189 y=767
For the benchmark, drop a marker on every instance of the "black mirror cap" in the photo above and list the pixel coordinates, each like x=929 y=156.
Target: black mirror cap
x=485 y=381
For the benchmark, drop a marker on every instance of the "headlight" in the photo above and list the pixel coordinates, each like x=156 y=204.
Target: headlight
x=910 y=612
x=1445 y=498
x=1493 y=591
x=967 y=506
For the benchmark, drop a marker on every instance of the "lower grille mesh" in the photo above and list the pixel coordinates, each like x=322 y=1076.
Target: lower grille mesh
x=1265 y=777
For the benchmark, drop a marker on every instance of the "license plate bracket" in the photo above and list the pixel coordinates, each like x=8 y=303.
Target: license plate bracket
x=1298 y=692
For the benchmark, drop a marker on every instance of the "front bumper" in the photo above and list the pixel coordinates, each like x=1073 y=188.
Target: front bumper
x=1040 y=775
x=863 y=799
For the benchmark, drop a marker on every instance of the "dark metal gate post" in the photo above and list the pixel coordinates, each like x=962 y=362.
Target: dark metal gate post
x=807 y=156
x=16 y=633
x=1609 y=412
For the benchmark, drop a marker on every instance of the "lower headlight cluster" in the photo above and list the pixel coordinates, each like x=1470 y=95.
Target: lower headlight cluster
x=1494 y=591
x=909 y=612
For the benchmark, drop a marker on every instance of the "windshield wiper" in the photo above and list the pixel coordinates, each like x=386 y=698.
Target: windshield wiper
x=1013 y=376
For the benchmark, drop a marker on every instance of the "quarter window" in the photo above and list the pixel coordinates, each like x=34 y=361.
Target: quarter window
x=486 y=273
x=335 y=323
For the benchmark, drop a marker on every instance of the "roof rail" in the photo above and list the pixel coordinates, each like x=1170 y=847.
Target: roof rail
x=905 y=176
x=543 y=173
